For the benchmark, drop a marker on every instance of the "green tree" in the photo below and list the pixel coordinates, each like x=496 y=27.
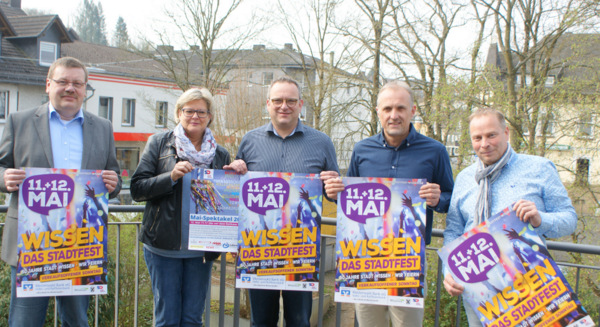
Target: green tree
x=89 y=23
x=121 y=37
x=528 y=34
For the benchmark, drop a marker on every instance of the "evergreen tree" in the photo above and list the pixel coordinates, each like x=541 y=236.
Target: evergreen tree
x=121 y=37
x=90 y=24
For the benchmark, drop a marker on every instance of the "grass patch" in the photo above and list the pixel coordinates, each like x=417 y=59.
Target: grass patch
x=214 y=307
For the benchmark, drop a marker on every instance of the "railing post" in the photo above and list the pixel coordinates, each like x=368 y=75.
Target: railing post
x=222 y=289
x=577 y=281
x=207 y=300
x=321 y=279
x=438 y=292
x=236 y=307
x=118 y=261
x=55 y=313
x=458 y=309
x=338 y=314
x=137 y=276
x=95 y=310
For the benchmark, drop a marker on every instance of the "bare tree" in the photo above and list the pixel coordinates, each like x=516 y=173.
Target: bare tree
x=318 y=67
x=242 y=109
x=329 y=91
x=367 y=51
x=475 y=89
x=419 y=47
x=200 y=25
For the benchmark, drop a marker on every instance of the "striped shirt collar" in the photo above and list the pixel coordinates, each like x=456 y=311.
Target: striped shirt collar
x=299 y=128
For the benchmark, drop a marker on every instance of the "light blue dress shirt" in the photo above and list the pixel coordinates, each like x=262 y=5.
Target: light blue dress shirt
x=67 y=139
x=525 y=177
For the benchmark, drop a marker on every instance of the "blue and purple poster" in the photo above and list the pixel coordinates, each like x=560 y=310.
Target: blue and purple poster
x=380 y=247
x=213 y=197
x=279 y=231
x=510 y=279
x=63 y=217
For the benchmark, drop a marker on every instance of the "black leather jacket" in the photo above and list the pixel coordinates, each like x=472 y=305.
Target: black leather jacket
x=151 y=182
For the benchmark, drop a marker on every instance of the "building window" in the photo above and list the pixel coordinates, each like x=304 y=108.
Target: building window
x=452 y=143
x=128 y=159
x=128 y=112
x=267 y=78
x=3 y=105
x=47 y=53
x=162 y=112
x=585 y=126
x=550 y=80
x=548 y=123
x=528 y=80
x=583 y=171
x=105 y=108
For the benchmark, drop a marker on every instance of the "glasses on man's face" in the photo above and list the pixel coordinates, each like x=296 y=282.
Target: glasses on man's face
x=191 y=112
x=64 y=83
x=279 y=102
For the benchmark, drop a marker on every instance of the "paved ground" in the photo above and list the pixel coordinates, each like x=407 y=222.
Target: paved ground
x=329 y=319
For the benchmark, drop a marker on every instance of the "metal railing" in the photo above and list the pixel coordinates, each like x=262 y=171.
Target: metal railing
x=235 y=319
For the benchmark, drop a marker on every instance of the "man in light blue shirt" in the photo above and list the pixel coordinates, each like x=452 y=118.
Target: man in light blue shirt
x=66 y=138
x=58 y=134
x=499 y=178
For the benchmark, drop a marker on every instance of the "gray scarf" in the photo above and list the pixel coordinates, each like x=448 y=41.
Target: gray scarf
x=187 y=151
x=485 y=176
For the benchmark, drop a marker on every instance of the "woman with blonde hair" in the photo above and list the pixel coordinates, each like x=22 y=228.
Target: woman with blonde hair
x=179 y=276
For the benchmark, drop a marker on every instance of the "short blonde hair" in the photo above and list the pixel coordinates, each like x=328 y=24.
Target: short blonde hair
x=67 y=62
x=284 y=79
x=398 y=85
x=487 y=111
x=193 y=95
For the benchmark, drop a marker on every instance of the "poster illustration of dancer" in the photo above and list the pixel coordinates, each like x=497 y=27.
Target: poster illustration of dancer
x=380 y=248
x=279 y=231
x=63 y=217
x=510 y=279
x=212 y=198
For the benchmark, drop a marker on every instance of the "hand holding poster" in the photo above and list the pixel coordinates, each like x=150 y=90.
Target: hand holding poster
x=510 y=278
x=212 y=198
x=380 y=247
x=63 y=217
x=279 y=231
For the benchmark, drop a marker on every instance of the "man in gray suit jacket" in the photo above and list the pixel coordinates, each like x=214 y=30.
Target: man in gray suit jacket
x=58 y=134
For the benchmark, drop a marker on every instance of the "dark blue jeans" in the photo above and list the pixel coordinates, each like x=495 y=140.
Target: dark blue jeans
x=179 y=287
x=31 y=311
x=264 y=304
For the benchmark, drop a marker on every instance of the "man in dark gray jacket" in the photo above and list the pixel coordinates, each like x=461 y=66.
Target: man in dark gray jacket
x=58 y=134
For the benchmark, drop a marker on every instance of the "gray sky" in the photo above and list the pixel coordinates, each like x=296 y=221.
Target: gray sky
x=141 y=16
x=137 y=13
x=144 y=16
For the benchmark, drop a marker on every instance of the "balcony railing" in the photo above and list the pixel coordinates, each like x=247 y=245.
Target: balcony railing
x=130 y=306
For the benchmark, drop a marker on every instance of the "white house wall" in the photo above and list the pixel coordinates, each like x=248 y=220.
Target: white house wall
x=146 y=94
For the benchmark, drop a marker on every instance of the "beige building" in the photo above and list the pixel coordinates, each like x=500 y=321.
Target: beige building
x=568 y=113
